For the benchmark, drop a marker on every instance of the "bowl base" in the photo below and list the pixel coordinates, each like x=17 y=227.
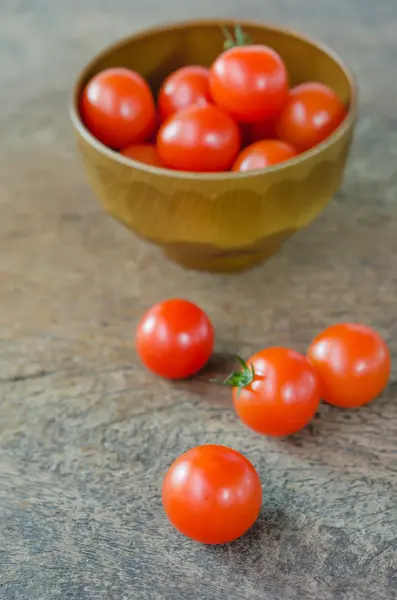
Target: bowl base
x=228 y=262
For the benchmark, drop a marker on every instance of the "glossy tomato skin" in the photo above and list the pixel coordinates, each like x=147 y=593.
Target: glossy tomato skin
x=145 y=153
x=249 y=82
x=117 y=107
x=175 y=339
x=212 y=494
x=283 y=396
x=311 y=113
x=263 y=154
x=183 y=88
x=199 y=138
x=352 y=362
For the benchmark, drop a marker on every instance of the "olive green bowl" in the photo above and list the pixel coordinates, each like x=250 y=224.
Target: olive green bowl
x=218 y=221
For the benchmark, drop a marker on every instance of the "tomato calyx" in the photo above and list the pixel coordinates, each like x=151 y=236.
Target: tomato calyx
x=238 y=38
x=242 y=378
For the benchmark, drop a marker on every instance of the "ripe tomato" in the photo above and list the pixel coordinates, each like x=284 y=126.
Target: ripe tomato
x=145 y=153
x=212 y=494
x=175 y=339
x=117 y=106
x=249 y=82
x=199 y=138
x=263 y=154
x=276 y=393
x=312 y=112
x=352 y=362
x=152 y=138
x=184 y=87
x=256 y=132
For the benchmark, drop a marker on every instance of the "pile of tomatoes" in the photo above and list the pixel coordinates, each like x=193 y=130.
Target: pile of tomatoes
x=212 y=493
x=238 y=115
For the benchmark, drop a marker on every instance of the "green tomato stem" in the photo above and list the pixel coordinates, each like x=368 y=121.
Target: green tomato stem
x=239 y=379
x=239 y=38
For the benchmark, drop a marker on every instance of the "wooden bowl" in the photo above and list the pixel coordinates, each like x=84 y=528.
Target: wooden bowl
x=220 y=221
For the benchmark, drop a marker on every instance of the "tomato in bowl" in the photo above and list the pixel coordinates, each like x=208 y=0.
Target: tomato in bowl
x=223 y=221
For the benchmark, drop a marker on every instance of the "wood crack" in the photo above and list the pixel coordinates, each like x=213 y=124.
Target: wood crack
x=44 y=373
x=37 y=375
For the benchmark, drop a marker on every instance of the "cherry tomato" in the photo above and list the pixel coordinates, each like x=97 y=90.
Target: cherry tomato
x=145 y=153
x=186 y=86
x=175 y=339
x=352 y=362
x=212 y=494
x=312 y=112
x=263 y=154
x=249 y=82
x=276 y=393
x=199 y=138
x=117 y=106
x=256 y=132
x=152 y=138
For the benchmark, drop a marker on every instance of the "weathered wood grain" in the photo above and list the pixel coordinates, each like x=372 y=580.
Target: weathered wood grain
x=86 y=434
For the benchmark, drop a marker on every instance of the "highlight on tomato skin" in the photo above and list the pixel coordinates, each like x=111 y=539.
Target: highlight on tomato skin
x=175 y=339
x=276 y=392
x=212 y=494
x=352 y=362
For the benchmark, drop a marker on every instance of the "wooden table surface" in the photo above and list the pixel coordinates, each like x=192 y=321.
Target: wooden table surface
x=86 y=433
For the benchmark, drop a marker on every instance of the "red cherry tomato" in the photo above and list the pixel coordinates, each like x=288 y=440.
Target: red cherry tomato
x=312 y=112
x=118 y=108
x=352 y=362
x=256 y=132
x=263 y=154
x=145 y=153
x=186 y=86
x=249 y=82
x=199 y=138
x=212 y=494
x=280 y=396
x=152 y=138
x=175 y=339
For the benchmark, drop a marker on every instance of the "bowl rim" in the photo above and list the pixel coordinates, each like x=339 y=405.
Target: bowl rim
x=77 y=121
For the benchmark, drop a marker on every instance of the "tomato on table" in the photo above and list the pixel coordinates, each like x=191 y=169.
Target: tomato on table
x=145 y=153
x=175 y=339
x=118 y=108
x=212 y=494
x=263 y=154
x=276 y=392
x=352 y=362
x=184 y=87
x=311 y=113
x=199 y=138
x=249 y=82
